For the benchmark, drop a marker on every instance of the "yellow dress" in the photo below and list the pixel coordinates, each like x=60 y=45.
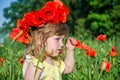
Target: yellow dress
x=50 y=72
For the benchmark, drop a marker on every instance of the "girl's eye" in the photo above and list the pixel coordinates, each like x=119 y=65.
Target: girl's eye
x=57 y=39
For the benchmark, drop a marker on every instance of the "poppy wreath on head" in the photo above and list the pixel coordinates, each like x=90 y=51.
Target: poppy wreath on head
x=53 y=12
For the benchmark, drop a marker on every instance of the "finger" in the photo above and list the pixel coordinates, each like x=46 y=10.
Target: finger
x=73 y=41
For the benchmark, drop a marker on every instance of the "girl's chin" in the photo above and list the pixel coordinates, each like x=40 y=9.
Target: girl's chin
x=56 y=55
x=53 y=56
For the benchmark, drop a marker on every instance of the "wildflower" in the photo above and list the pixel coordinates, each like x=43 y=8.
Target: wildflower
x=85 y=47
x=113 y=52
x=101 y=37
x=114 y=49
x=23 y=36
x=79 y=44
x=82 y=46
x=91 y=53
x=1 y=60
x=106 y=66
x=21 y=61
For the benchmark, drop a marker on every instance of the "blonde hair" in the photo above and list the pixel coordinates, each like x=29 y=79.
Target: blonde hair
x=40 y=35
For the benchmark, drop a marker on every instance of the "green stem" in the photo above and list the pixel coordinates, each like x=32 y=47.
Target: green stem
x=100 y=75
x=96 y=62
x=19 y=34
x=40 y=57
x=89 y=68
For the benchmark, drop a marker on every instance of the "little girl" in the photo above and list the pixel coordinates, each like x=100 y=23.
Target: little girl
x=43 y=32
x=50 y=68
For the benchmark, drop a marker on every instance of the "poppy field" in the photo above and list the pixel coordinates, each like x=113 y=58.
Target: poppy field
x=95 y=59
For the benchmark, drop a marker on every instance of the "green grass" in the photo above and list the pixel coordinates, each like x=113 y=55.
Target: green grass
x=86 y=68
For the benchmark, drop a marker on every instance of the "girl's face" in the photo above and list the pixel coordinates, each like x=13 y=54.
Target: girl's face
x=54 y=45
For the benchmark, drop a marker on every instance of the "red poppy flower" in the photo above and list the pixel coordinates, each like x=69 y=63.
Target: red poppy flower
x=56 y=18
x=101 y=37
x=21 y=61
x=19 y=23
x=78 y=45
x=114 y=48
x=106 y=66
x=113 y=53
x=20 y=37
x=37 y=19
x=48 y=13
x=27 y=20
x=85 y=47
x=65 y=9
x=24 y=38
x=21 y=26
x=91 y=53
x=32 y=19
x=14 y=33
x=1 y=60
x=60 y=16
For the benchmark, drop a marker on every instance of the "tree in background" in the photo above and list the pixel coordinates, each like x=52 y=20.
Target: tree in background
x=104 y=17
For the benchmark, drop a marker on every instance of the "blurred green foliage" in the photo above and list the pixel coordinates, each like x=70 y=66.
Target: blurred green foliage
x=11 y=53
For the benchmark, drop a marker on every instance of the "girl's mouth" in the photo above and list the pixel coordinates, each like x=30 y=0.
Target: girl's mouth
x=60 y=50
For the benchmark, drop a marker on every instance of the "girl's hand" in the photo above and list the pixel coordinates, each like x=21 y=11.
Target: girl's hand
x=70 y=43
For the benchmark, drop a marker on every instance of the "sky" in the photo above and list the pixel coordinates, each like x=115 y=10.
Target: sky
x=4 y=4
